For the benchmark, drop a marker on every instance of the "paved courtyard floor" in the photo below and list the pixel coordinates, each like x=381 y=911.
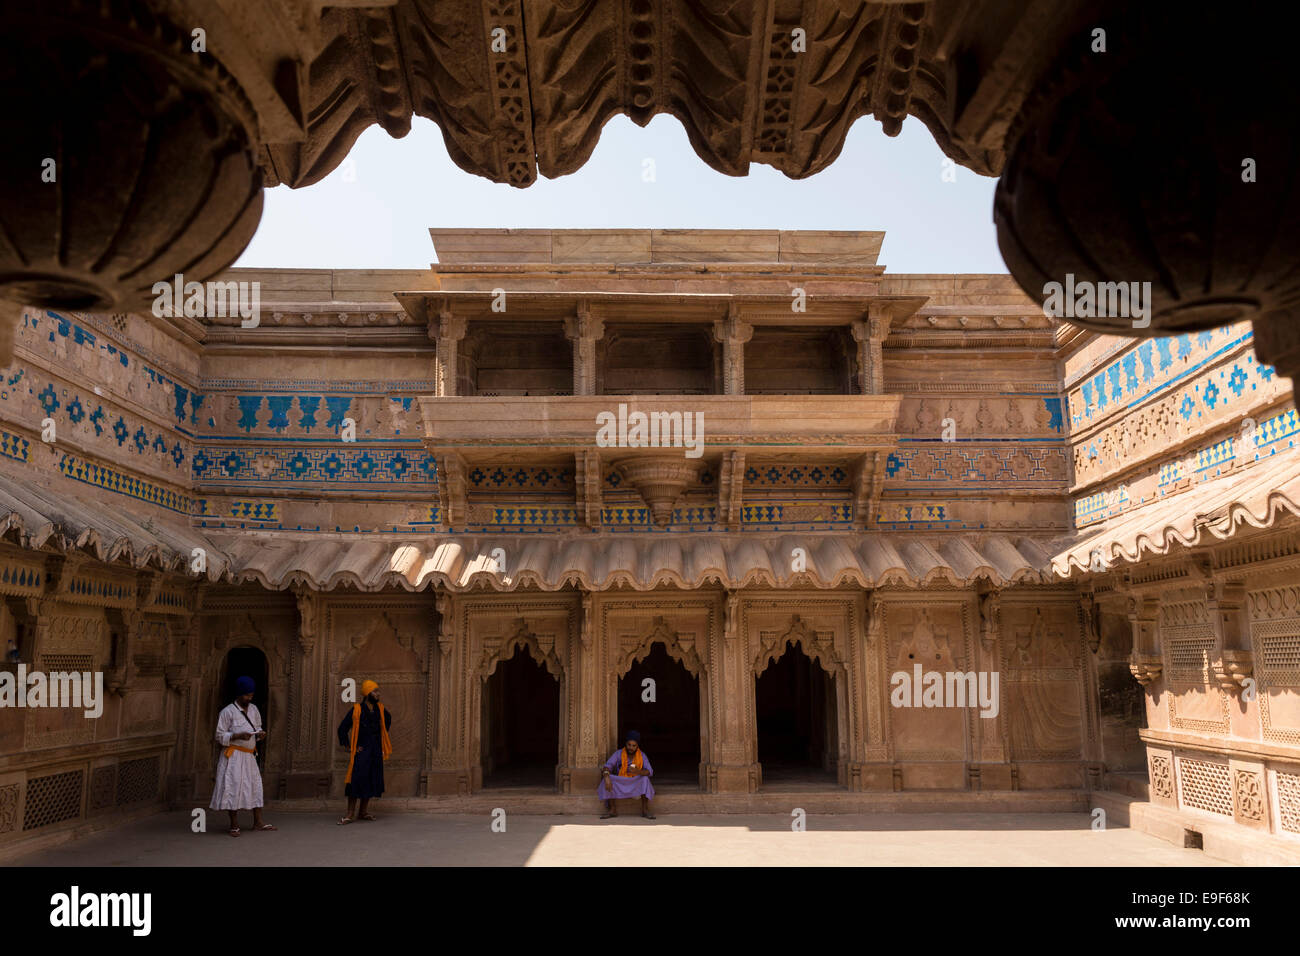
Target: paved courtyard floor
x=423 y=839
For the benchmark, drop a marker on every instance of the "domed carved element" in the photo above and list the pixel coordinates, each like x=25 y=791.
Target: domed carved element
x=1127 y=166
x=136 y=161
x=660 y=481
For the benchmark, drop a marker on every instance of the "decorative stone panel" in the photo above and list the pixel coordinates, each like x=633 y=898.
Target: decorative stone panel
x=1205 y=785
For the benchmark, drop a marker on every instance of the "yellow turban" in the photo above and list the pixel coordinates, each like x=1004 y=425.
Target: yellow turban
x=367 y=686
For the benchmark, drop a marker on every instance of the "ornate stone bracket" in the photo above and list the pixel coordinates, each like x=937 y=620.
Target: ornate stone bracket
x=452 y=491
x=868 y=482
x=588 y=482
x=870 y=334
x=1235 y=662
x=731 y=484
x=1145 y=663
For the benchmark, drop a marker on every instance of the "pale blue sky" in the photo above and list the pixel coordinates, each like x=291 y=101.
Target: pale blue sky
x=374 y=211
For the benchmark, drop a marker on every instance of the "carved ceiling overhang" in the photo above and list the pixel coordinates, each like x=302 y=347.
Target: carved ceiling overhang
x=637 y=562
x=1259 y=497
x=520 y=90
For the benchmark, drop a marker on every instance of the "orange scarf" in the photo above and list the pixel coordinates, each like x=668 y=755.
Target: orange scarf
x=385 y=745
x=622 y=766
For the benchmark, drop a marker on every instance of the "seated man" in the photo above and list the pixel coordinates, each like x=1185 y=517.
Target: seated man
x=626 y=774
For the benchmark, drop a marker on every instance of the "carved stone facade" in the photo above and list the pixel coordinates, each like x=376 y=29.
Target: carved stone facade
x=892 y=482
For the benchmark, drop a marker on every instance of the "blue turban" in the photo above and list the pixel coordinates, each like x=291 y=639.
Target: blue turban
x=632 y=735
x=244 y=685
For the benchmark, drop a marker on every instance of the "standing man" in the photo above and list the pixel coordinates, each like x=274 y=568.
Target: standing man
x=365 y=732
x=239 y=782
x=627 y=774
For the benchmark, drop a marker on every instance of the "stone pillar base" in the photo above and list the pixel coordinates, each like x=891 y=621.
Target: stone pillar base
x=732 y=778
x=439 y=783
x=578 y=780
x=869 y=776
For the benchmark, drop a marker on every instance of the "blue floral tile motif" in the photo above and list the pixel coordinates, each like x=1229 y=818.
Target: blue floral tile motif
x=892 y=465
x=279 y=406
x=178 y=454
x=1116 y=392
x=120 y=431
x=399 y=465
x=97 y=418
x=1211 y=396
x=75 y=412
x=1237 y=381
x=751 y=474
x=338 y=410
x=141 y=439
x=1184 y=345
x=498 y=477
x=248 y=408
x=200 y=464
x=182 y=395
x=477 y=476
x=1055 y=414
x=1144 y=353
x=773 y=475
x=1165 y=348
x=332 y=465
x=308 y=404
x=159 y=444
x=195 y=402
x=430 y=467
x=300 y=464
x=49 y=400
x=816 y=475
x=1129 y=362
x=1266 y=372
x=1187 y=407
x=231 y=463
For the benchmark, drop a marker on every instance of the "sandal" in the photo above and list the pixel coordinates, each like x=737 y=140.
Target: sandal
x=234 y=831
x=344 y=821
x=264 y=826
x=366 y=816
x=649 y=816
x=606 y=816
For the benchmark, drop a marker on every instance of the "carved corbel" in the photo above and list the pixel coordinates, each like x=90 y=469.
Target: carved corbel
x=452 y=491
x=990 y=609
x=867 y=483
x=1090 y=620
x=731 y=486
x=589 y=480
x=731 y=619
x=587 y=622
x=1145 y=663
x=308 y=618
x=446 y=624
x=875 y=618
x=1235 y=661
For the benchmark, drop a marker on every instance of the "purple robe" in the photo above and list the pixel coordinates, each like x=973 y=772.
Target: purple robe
x=626 y=786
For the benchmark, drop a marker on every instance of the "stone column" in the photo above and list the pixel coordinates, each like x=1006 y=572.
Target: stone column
x=733 y=333
x=732 y=762
x=584 y=329
x=448 y=766
x=446 y=331
x=585 y=729
x=870 y=334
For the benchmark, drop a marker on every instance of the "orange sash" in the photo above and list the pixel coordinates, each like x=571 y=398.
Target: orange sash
x=233 y=747
x=385 y=745
x=622 y=766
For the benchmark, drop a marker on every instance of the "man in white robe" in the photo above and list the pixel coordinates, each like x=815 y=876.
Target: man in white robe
x=239 y=782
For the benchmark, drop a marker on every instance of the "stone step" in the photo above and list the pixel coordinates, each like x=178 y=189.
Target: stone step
x=1130 y=783
x=773 y=800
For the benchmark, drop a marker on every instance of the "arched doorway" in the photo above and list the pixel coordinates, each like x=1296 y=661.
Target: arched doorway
x=666 y=712
x=797 y=722
x=520 y=724
x=247 y=662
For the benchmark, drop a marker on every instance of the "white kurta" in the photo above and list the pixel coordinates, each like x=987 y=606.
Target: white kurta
x=239 y=782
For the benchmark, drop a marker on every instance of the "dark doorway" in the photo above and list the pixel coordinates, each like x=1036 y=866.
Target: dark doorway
x=797 y=728
x=248 y=662
x=670 y=724
x=521 y=724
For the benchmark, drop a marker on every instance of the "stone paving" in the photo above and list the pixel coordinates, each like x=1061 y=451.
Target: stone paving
x=424 y=839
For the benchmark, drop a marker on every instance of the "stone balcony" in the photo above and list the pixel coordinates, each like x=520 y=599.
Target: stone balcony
x=658 y=444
